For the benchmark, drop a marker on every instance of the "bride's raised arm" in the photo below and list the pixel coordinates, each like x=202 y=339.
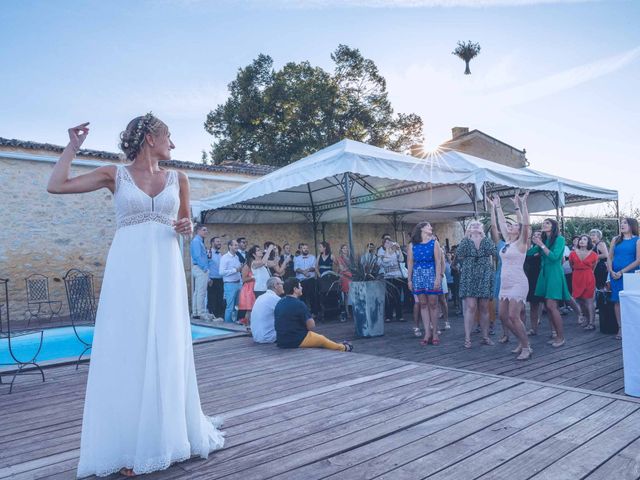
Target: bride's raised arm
x=59 y=182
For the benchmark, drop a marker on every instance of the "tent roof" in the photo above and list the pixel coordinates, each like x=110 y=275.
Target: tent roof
x=440 y=186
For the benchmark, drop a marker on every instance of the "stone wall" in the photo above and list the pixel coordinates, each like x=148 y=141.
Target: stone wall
x=49 y=234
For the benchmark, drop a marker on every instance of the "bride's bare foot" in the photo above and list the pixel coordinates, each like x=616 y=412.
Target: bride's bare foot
x=127 y=472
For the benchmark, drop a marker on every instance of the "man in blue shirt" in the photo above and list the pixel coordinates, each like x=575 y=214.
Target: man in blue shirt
x=294 y=325
x=199 y=273
x=215 y=290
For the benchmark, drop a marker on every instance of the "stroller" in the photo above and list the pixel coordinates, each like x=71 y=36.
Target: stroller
x=329 y=294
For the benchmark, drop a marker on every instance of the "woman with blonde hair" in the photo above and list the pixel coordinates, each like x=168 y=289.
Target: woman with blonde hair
x=142 y=407
x=475 y=253
x=514 y=285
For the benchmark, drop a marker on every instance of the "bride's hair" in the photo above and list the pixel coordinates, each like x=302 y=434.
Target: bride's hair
x=132 y=138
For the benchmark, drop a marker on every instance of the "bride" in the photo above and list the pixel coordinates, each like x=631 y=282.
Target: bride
x=142 y=408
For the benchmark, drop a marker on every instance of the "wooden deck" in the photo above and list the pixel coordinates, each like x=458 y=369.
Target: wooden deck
x=589 y=360
x=310 y=414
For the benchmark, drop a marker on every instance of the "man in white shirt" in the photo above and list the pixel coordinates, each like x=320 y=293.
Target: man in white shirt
x=262 y=319
x=305 y=267
x=230 y=268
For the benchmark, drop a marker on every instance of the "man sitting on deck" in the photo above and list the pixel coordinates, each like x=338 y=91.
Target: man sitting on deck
x=262 y=320
x=294 y=324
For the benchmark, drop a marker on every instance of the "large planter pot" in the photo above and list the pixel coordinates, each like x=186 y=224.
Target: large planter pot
x=367 y=300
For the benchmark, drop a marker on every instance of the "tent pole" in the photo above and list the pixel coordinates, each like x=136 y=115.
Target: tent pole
x=347 y=195
x=618 y=214
x=475 y=202
x=314 y=221
x=562 y=220
x=557 y=202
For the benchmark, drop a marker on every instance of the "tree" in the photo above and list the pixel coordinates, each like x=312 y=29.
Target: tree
x=278 y=116
x=467 y=51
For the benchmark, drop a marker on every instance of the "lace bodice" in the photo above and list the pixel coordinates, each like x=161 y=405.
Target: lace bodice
x=133 y=206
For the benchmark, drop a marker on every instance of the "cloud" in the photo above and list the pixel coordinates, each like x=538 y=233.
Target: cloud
x=565 y=80
x=420 y=3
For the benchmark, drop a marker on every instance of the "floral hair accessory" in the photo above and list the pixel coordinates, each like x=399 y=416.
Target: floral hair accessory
x=141 y=129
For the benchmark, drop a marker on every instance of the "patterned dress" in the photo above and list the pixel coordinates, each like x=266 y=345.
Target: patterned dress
x=477 y=274
x=424 y=269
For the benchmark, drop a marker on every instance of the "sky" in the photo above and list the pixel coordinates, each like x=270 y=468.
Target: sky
x=557 y=77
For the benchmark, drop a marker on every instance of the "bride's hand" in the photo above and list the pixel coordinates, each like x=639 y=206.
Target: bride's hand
x=77 y=135
x=183 y=226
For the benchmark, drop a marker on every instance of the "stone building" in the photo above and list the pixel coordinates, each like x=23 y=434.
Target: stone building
x=49 y=234
x=481 y=145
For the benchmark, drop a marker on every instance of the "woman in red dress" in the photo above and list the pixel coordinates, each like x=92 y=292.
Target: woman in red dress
x=583 y=262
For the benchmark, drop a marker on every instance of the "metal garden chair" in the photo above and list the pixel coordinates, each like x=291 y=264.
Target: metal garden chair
x=39 y=304
x=82 y=305
x=25 y=362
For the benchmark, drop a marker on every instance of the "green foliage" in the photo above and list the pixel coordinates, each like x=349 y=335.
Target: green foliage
x=276 y=117
x=579 y=226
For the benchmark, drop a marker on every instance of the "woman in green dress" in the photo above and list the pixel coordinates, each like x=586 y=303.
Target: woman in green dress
x=551 y=285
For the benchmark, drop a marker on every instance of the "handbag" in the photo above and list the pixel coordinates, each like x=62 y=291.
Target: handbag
x=403 y=269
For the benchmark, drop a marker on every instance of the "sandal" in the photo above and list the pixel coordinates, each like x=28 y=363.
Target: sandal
x=348 y=347
x=504 y=339
x=590 y=326
x=525 y=354
x=417 y=332
x=467 y=344
x=424 y=342
x=486 y=341
x=532 y=332
x=436 y=342
x=582 y=320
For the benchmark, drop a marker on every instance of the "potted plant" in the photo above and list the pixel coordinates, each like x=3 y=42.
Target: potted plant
x=367 y=296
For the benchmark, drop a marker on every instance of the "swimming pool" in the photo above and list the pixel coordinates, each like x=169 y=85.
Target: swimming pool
x=62 y=343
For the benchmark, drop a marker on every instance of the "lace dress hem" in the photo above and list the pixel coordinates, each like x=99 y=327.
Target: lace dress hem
x=216 y=441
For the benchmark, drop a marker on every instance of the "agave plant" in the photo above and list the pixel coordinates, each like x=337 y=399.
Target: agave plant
x=467 y=51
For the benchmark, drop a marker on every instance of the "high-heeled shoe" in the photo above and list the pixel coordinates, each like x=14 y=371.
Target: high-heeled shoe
x=525 y=354
x=519 y=349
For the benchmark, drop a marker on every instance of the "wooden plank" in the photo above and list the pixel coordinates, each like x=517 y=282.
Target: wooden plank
x=624 y=465
x=433 y=452
x=398 y=443
x=253 y=464
x=590 y=455
x=521 y=453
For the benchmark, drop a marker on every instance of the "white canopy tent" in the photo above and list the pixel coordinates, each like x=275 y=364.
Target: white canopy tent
x=382 y=184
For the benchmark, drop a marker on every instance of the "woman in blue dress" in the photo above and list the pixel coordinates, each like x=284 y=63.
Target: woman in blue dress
x=624 y=257
x=424 y=265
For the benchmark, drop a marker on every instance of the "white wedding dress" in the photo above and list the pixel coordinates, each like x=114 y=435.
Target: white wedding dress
x=142 y=408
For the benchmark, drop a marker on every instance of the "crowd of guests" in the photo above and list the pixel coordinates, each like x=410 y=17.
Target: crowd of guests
x=267 y=288
x=487 y=277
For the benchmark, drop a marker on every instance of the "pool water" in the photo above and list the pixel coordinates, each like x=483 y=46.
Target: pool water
x=63 y=343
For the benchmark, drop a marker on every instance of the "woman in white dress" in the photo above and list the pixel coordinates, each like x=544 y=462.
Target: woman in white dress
x=142 y=408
